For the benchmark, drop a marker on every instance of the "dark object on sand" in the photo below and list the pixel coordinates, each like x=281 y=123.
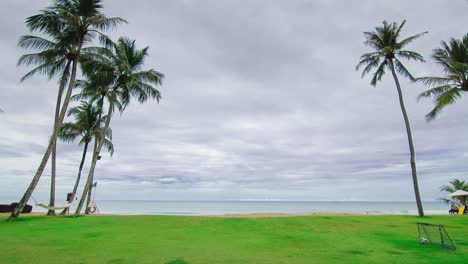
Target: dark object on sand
x=26 y=210
x=7 y=208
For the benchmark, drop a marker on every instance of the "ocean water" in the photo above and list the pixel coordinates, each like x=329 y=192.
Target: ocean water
x=264 y=207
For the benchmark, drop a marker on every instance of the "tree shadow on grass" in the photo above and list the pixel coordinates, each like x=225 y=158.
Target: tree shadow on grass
x=37 y=218
x=26 y=218
x=177 y=261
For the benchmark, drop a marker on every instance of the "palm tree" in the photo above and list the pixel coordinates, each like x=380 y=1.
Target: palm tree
x=453 y=186
x=55 y=56
x=388 y=51
x=119 y=70
x=87 y=125
x=83 y=20
x=453 y=59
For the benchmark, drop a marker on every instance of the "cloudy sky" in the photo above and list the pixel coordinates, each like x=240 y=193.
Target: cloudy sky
x=260 y=101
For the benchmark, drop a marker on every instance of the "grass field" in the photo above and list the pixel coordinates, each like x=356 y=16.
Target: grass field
x=180 y=240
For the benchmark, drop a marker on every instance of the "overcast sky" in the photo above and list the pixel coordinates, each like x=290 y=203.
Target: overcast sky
x=260 y=101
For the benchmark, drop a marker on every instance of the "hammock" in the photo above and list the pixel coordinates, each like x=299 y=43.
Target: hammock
x=54 y=207
x=51 y=207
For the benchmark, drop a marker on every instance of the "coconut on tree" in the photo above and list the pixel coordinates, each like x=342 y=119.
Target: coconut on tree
x=447 y=89
x=118 y=78
x=388 y=53
x=83 y=20
x=86 y=127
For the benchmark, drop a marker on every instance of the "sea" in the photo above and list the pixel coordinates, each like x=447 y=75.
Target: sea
x=201 y=208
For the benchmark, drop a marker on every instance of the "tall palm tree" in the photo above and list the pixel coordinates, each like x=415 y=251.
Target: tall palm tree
x=82 y=19
x=54 y=57
x=446 y=90
x=120 y=71
x=387 y=55
x=453 y=186
x=87 y=125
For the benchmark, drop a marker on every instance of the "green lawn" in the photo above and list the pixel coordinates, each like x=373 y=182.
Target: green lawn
x=178 y=240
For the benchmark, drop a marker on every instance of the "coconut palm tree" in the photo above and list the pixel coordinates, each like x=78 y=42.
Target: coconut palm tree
x=387 y=55
x=453 y=186
x=87 y=125
x=447 y=89
x=55 y=57
x=83 y=20
x=118 y=70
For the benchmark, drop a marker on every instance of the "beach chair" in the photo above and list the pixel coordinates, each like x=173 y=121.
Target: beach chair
x=461 y=210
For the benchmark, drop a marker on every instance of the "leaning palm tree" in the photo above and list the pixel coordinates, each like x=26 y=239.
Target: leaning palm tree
x=453 y=186
x=82 y=19
x=447 y=89
x=119 y=70
x=387 y=55
x=87 y=125
x=54 y=57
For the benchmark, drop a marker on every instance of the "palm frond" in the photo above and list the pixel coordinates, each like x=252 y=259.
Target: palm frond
x=109 y=146
x=101 y=22
x=379 y=73
x=401 y=69
x=443 y=100
x=400 y=27
x=408 y=40
x=436 y=91
x=35 y=42
x=384 y=41
x=46 y=68
x=433 y=81
x=410 y=55
x=370 y=61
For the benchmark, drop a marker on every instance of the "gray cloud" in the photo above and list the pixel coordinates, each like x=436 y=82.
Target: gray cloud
x=261 y=101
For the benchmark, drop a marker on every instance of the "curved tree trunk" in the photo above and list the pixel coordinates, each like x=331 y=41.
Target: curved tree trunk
x=54 y=149
x=52 y=179
x=90 y=192
x=88 y=200
x=97 y=149
x=16 y=212
x=410 y=142
x=85 y=189
x=77 y=182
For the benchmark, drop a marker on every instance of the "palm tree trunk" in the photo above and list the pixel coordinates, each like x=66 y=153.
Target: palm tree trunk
x=97 y=149
x=410 y=142
x=52 y=180
x=77 y=182
x=16 y=212
x=54 y=150
x=90 y=191
x=88 y=200
x=85 y=189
